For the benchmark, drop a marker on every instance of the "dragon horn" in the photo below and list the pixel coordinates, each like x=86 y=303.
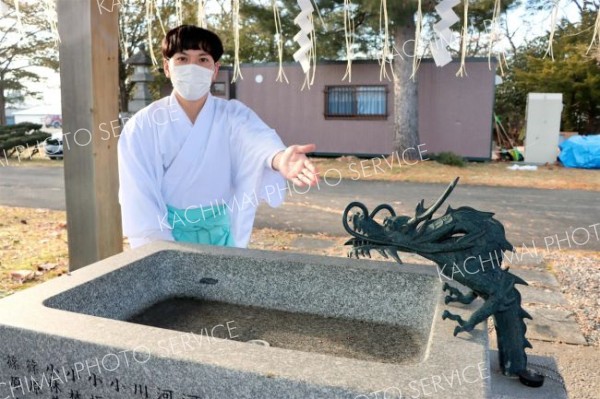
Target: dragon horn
x=423 y=213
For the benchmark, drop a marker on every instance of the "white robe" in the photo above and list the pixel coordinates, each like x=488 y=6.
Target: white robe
x=224 y=158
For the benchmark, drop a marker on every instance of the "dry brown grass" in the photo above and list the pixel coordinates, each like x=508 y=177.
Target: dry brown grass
x=26 y=159
x=488 y=174
x=33 y=237
x=28 y=239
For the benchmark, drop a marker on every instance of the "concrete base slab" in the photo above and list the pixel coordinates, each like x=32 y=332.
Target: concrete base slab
x=511 y=388
x=541 y=295
x=537 y=277
x=553 y=325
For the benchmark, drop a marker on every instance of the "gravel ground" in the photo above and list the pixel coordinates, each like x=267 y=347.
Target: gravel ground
x=579 y=276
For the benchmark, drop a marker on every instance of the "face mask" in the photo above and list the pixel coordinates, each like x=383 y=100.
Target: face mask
x=191 y=81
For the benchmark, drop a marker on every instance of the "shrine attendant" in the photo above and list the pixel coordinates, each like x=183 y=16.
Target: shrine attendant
x=192 y=167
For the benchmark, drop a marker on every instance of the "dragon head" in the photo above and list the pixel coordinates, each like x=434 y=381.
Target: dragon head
x=396 y=233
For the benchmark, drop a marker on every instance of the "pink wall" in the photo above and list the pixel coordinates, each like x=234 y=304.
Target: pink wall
x=455 y=114
x=298 y=115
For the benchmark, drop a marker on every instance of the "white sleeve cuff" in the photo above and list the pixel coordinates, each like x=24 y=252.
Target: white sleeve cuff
x=270 y=159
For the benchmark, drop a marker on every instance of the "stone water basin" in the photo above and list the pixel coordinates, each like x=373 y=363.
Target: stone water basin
x=179 y=321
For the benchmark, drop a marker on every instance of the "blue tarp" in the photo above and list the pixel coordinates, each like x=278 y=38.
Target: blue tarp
x=581 y=152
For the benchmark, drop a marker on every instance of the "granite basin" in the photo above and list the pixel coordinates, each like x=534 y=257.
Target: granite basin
x=182 y=321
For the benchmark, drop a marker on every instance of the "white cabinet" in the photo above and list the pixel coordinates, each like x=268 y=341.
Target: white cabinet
x=543 y=127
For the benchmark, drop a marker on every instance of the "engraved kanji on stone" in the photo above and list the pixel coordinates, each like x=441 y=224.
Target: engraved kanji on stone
x=32 y=366
x=12 y=362
x=165 y=394
x=139 y=389
x=34 y=386
x=117 y=385
x=95 y=380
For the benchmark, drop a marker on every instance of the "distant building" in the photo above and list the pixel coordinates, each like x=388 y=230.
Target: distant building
x=39 y=114
x=10 y=117
x=357 y=117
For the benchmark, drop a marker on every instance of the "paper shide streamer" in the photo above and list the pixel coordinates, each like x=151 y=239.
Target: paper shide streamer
x=445 y=36
x=418 y=29
x=306 y=54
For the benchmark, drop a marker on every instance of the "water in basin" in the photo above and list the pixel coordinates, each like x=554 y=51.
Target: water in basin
x=306 y=332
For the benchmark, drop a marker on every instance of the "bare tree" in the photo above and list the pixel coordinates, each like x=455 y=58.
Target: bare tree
x=25 y=42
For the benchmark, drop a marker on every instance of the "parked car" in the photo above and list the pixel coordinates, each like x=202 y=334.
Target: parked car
x=54 y=121
x=53 y=146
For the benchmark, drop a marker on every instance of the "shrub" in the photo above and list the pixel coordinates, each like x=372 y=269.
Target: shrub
x=449 y=158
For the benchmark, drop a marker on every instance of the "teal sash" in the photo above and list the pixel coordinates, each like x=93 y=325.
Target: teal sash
x=208 y=225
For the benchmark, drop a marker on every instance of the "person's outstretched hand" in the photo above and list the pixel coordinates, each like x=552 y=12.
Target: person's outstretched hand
x=295 y=166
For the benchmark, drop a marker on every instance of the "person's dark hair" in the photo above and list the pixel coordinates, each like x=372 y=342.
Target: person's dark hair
x=190 y=37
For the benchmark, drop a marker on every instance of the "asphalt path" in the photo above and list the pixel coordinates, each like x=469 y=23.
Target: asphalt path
x=546 y=219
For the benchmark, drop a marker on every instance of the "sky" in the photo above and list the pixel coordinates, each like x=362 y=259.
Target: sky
x=525 y=26
x=530 y=26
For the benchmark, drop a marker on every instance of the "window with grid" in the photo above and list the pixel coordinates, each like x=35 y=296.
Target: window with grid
x=356 y=102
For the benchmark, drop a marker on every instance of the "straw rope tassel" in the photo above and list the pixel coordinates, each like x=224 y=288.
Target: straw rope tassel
x=281 y=76
x=462 y=71
x=418 y=28
x=179 y=11
x=385 y=51
x=313 y=53
x=235 y=14
x=494 y=32
x=553 y=21
x=157 y=12
x=202 y=13
x=19 y=21
x=349 y=37
x=149 y=18
x=596 y=36
x=52 y=18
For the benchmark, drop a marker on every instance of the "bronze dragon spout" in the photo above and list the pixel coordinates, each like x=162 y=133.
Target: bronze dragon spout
x=468 y=246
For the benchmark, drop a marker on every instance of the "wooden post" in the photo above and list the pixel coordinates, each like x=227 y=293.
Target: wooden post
x=90 y=91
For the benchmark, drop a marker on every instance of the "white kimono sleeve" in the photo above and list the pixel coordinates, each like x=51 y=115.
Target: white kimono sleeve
x=143 y=210
x=253 y=145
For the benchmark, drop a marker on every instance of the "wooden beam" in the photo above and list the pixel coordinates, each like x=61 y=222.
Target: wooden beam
x=90 y=91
